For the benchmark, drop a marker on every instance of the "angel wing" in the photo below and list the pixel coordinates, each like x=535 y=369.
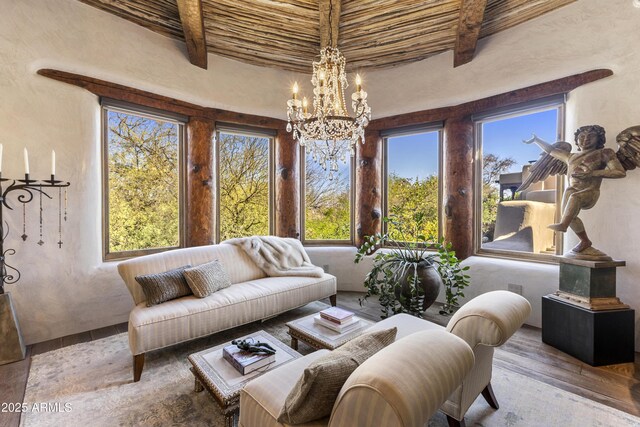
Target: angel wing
x=546 y=165
x=629 y=147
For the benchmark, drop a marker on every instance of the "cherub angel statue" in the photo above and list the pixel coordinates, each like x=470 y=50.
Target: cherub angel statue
x=586 y=169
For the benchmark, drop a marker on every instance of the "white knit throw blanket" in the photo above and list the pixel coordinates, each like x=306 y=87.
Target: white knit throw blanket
x=278 y=256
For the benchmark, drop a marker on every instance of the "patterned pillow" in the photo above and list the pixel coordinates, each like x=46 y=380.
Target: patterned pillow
x=206 y=279
x=165 y=286
x=313 y=396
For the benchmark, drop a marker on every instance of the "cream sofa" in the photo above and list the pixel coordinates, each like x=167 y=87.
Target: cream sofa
x=401 y=384
x=251 y=297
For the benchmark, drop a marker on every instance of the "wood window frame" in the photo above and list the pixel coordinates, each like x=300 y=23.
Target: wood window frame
x=303 y=213
x=557 y=102
x=412 y=130
x=249 y=131
x=107 y=105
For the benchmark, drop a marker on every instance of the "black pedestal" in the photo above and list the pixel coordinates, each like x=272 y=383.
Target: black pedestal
x=598 y=338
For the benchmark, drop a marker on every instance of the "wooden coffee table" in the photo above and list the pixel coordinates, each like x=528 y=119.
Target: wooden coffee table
x=224 y=382
x=319 y=337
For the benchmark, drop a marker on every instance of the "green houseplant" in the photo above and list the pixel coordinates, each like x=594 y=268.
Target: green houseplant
x=407 y=277
x=454 y=276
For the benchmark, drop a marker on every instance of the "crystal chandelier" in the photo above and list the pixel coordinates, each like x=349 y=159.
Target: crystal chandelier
x=330 y=132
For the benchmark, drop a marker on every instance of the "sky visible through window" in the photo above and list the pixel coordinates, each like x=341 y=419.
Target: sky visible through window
x=412 y=185
x=505 y=136
x=414 y=155
x=504 y=224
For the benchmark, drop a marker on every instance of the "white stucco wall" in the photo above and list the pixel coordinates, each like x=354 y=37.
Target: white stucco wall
x=69 y=290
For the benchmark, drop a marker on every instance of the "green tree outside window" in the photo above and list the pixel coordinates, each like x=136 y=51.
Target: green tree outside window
x=143 y=182
x=243 y=185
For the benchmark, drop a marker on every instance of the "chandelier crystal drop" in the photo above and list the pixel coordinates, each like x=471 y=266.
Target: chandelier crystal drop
x=329 y=133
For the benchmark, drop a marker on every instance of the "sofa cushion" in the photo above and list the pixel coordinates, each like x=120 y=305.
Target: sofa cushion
x=316 y=390
x=166 y=286
x=235 y=261
x=187 y=318
x=262 y=399
x=207 y=278
x=406 y=325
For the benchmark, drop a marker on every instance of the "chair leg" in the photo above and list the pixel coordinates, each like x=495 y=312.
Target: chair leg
x=455 y=423
x=488 y=395
x=138 y=364
x=333 y=299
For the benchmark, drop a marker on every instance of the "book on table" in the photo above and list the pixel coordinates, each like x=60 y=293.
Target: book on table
x=345 y=327
x=246 y=362
x=337 y=315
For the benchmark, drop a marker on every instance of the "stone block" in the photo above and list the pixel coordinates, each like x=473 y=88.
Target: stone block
x=596 y=337
x=12 y=346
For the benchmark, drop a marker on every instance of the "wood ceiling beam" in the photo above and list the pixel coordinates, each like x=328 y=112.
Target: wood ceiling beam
x=329 y=22
x=193 y=28
x=469 y=24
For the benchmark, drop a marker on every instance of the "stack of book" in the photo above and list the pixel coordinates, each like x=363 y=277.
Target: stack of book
x=246 y=362
x=337 y=319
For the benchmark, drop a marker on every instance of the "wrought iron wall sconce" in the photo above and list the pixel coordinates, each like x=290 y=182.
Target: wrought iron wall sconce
x=29 y=190
x=12 y=346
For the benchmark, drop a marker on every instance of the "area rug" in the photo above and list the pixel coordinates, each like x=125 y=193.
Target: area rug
x=90 y=384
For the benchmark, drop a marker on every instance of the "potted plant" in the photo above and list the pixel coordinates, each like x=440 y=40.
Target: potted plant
x=454 y=276
x=407 y=276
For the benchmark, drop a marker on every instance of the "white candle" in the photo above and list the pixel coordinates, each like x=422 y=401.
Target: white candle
x=53 y=162
x=1 y=148
x=26 y=162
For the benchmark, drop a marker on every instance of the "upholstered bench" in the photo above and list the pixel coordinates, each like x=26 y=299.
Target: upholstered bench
x=485 y=322
x=404 y=383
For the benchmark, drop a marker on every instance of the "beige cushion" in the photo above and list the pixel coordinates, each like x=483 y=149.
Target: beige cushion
x=235 y=261
x=315 y=392
x=186 y=318
x=262 y=399
x=166 y=286
x=406 y=325
x=207 y=278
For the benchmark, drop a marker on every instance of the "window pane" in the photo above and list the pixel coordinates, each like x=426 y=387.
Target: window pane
x=327 y=202
x=510 y=220
x=412 y=185
x=243 y=185
x=143 y=180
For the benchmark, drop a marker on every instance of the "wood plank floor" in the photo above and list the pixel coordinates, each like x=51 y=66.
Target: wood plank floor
x=617 y=386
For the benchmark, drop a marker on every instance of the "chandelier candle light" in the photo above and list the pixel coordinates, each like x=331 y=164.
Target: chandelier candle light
x=329 y=133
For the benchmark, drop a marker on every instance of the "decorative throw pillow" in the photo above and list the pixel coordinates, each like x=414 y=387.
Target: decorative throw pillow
x=313 y=396
x=206 y=279
x=165 y=286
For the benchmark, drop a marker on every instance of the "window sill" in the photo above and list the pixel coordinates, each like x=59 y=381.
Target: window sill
x=518 y=256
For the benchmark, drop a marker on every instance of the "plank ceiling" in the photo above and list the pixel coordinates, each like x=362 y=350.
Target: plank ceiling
x=372 y=33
